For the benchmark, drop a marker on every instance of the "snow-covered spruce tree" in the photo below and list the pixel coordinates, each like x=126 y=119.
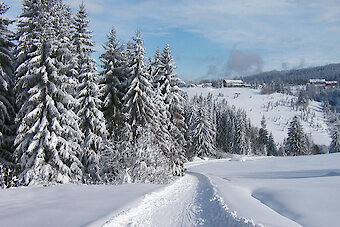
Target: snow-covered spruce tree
x=161 y=129
x=154 y=68
x=138 y=100
x=224 y=127
x=296 y=143
x=263 y=136
x=167 y=82
x=48 y=137
x=114 y=79
x=271 y=146
x=335 y=144
x=142 y=114
x=92 y=121
x=202 y=132
x=210 y=103
x=240 y=143
x=7 y=100
x=191 y=110
x=252 y=139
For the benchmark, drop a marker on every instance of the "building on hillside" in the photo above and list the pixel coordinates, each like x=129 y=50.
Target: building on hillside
x=233 y=83
x=323 y=82
x=331 y=83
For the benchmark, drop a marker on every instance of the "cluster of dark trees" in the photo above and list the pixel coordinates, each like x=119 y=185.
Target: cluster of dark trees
x=329 y=72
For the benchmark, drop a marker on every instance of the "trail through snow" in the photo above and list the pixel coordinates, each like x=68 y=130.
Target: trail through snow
x=190 y=201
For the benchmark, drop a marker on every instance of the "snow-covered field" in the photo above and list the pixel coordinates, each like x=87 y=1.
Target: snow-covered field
x=275 y=107
x=240 y=191
x=68 y=204
x=279 y=191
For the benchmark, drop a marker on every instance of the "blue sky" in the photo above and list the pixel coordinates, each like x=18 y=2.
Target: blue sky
x=222 y=38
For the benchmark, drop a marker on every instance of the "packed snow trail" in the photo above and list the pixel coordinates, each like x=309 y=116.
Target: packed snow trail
x=189 y=201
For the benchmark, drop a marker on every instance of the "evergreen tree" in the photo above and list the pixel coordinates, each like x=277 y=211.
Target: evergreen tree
x=335 y=144
x=296 y=142
x=167 y=82
x=240 y=142
x=114 y=80
x=92 y=121
x=48 y=137
x=271 y=146
x=263 y=136
x=7 y=99
x=303 y=99
x=138 y=105
x=202 y=133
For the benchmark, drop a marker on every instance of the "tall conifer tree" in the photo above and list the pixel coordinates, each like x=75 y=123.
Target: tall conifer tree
x=48 y=137
x=335 y=144
x=92 y=121
x=138 y=105
x=296 y=141
x=114 y=80
x=7 y=99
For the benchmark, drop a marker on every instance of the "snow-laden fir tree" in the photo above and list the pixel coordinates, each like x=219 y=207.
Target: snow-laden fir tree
x=202 y=134
x=296 y=142
x=240 y=140
x=161 y=127
x=271 y=146
x=221 y=126
x=138 y=100
x=143 y=116
x=92 y=121
x=335 y=144
x=154 y=68
x=114 y=79
x=263 y=136
x=7 y=100
x=48 y=136
x=167 y=83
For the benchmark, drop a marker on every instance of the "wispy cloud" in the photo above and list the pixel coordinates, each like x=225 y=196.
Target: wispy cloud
x=281 y=32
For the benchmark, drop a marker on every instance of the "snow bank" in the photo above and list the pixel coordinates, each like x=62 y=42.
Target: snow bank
x=280 y=191
x=68 y=205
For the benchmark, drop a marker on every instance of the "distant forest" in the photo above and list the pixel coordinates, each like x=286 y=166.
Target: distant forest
x=329 y=72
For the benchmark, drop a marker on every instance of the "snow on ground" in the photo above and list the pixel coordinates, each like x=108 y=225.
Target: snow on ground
x=275 y=107
x=275 y=190
x=239 y=191
x=190 y=201
x=68 y=205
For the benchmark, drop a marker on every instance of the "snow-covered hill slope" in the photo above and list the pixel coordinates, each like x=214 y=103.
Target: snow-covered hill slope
x=276 y=108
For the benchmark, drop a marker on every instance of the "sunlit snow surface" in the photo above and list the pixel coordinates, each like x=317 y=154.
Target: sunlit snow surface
x=275 y=107
x=303 y=189
x=67 y=205
x=240 y=191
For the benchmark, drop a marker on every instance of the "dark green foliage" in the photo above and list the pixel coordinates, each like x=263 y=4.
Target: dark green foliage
x=296 y=141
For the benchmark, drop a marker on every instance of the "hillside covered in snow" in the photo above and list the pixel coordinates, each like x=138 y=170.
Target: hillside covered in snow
x=276 y=108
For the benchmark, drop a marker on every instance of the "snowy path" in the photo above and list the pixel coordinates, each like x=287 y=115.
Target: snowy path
x=190 y=201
